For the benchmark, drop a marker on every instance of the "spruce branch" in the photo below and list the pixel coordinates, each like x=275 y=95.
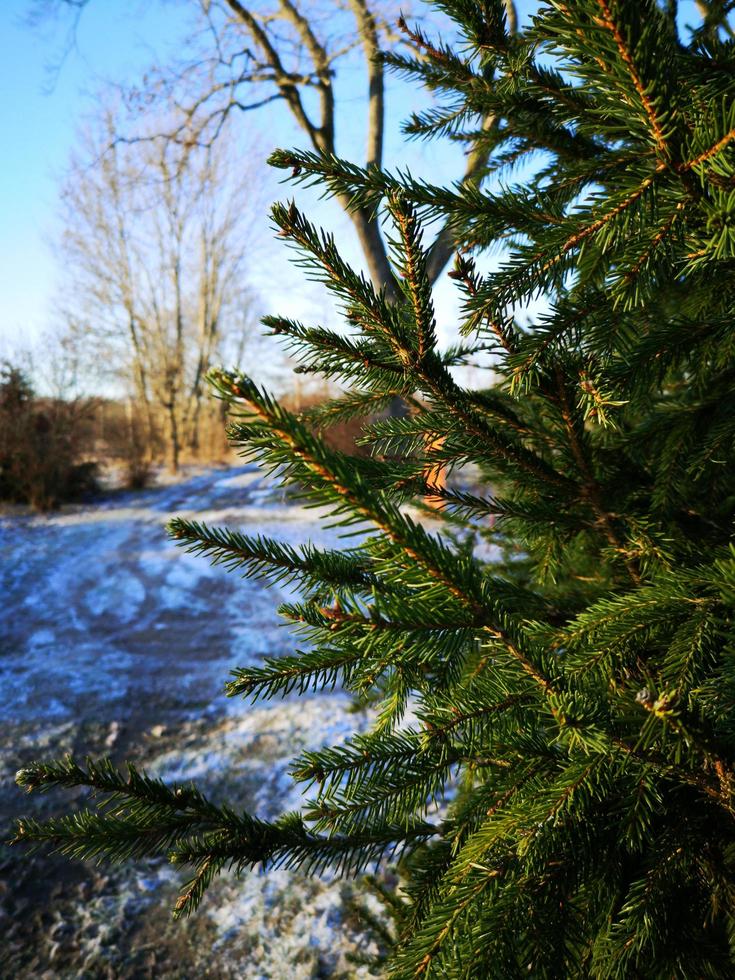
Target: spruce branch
x=657 y=128
x=538 y=614
x=590 y=487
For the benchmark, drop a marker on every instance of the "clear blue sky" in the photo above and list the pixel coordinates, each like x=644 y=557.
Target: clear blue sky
x=40 y=109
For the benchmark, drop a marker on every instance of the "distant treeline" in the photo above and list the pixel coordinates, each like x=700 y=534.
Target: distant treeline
x=55 y=449
x=59 y=449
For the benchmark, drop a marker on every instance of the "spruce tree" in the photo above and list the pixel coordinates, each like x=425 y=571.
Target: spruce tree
x=568 y=701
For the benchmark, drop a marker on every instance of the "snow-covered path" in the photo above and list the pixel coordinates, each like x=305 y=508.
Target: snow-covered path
x=103 y=615
x=114 y=640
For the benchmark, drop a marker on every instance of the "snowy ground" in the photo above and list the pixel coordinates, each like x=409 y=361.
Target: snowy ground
x=114 y=641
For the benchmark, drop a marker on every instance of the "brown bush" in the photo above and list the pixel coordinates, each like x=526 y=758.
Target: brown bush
x=341 y=435
x=42 y=445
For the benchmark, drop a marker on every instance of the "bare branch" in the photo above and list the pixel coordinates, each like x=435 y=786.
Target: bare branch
x=283 y=80
x=323 y=72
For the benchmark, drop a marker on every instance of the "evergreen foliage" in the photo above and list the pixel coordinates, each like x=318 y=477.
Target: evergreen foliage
x=552 y=755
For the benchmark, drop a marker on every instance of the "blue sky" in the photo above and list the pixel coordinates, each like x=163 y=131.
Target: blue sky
x=40 y=112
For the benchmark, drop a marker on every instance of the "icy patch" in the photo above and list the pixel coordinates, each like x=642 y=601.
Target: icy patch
x=262 y=744
x=105 y=619
x=41 y=639
x=123 y=597
x=46 y=685
x=241 y=480
x=183 y=575
x=99 y=515
x=294 y=927
x=100 y=605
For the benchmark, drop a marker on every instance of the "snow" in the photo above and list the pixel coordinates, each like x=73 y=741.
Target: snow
x=105 y=620
x=279 y=731
x=101 y=607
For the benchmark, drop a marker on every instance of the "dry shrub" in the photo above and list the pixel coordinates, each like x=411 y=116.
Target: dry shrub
x=43 y=445
x=343 y=436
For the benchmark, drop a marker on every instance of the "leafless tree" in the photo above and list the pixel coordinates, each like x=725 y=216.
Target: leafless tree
x=155 y=244
x=250 y=54
x=253 y=53
x=257 y=52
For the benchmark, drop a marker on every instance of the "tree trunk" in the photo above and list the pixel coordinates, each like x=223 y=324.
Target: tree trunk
x=173 y=437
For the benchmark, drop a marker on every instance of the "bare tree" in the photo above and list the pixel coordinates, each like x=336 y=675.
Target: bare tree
x=253 y=53
x=256 y=52
x=155 y=243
